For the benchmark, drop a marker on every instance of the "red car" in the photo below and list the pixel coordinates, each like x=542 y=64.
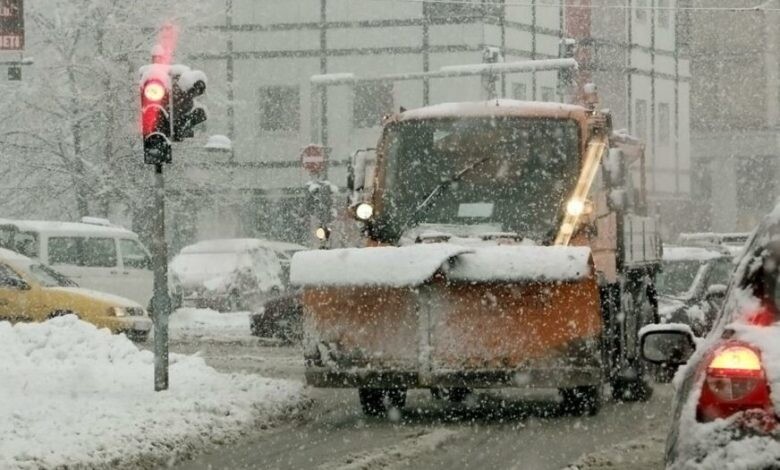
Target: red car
x=728 y=394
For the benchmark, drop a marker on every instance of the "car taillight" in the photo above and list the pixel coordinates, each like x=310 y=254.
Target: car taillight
x=735 y=382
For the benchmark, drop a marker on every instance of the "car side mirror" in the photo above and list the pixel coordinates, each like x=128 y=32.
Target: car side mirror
x=716 y=292
x=669 y=344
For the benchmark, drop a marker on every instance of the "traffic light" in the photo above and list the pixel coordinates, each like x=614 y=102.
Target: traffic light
x=187 y=85
x=155 y=119
x=169 y=111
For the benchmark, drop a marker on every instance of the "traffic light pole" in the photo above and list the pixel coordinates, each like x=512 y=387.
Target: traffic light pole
x=161 y=302
x=168 y=114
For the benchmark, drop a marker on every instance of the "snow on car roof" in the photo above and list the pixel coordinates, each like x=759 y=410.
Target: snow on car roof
x=68 y=228
x=714 y=238
x=501 y=107
x=691 y=253
x=233 y=245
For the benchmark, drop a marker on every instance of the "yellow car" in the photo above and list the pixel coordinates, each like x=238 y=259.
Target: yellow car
x=30 y=291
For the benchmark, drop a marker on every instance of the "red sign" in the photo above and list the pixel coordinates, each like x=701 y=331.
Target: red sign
x=314 y=158
x=11 y=25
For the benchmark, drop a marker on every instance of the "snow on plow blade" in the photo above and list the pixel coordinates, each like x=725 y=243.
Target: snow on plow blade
x=450 y=315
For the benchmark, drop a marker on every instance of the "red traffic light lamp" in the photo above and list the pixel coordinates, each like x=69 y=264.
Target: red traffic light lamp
x=155 y=121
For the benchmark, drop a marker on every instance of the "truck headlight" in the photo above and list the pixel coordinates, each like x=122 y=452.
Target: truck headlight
x=364 y=211
x=575 y=207
x=322 y=233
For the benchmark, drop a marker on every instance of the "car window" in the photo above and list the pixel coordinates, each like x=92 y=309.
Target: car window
x=99 y=252
x=721 y=272
x=676 y=277
x=48 y=277
x=65 y=250
x=134 y=255
x=26 y=243
x=10 y=279
x=78 y=251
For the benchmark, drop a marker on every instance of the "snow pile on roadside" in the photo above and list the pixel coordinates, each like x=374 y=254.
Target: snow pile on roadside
x=73 y=395
x=195 y=323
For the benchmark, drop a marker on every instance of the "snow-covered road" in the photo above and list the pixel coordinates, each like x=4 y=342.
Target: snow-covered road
x=499 y=431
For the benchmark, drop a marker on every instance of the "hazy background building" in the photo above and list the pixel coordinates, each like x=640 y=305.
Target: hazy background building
x=734 y=113
x=260 y=56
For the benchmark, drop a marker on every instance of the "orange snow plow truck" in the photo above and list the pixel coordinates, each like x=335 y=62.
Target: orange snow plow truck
x=505 y=245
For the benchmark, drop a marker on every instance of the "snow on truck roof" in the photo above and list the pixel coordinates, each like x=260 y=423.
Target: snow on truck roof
x=415 y=264
x=69 y=228
x=233 y=245
x=500 y=107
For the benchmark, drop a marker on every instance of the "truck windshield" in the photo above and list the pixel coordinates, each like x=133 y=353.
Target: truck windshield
x=523 y=169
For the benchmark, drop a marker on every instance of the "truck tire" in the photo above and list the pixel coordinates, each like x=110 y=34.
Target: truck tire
x=396 y=397
x=372 y=401
x=580 y=401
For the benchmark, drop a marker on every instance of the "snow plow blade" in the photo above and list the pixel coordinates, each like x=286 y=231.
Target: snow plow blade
x=448 y=315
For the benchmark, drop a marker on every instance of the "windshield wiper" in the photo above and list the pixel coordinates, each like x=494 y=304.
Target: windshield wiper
x=441 y=187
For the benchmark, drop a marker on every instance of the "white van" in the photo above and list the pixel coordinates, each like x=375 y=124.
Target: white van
x=96 y=255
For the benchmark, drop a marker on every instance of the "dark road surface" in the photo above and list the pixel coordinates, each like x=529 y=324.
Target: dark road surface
x=492 y=430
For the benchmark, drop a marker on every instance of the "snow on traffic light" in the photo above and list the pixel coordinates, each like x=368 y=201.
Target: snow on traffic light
x=187 y=85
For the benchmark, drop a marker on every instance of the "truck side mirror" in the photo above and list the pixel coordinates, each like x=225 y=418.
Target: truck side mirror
x=361 y=170
x=614 y=168
x=670 y=344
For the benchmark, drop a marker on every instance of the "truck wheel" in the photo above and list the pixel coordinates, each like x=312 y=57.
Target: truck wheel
x=631 y=390
x=372 y=401
x=396 y=397
x=579 y=401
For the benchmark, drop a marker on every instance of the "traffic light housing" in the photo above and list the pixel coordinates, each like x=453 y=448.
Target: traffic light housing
x=187 y=113
x=155 y=119
x=169 y=111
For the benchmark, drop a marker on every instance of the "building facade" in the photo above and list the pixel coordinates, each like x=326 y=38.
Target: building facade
x=735 y=112
x=260 y=57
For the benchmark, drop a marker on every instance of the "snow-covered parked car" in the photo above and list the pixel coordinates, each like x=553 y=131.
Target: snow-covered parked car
x=230 y=274
x=691 y=285
x=727 y=397
x=33 y=292
x=733 y=242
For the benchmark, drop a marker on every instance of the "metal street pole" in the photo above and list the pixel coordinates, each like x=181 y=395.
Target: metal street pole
x=161 y=302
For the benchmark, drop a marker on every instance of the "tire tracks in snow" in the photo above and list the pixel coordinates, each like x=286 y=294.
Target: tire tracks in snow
x=394 y=456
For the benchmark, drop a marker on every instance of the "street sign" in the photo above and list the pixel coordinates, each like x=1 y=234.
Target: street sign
x=11 y=25
x=314 y=158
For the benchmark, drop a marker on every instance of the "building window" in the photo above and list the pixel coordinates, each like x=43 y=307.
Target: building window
x=548 y=93
x=663 y=13
x=664 y=124
x=280 y=108
x=372 y=101
x=464 y=10
x=519 y=91
x=640 y=10
x=640 y=123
